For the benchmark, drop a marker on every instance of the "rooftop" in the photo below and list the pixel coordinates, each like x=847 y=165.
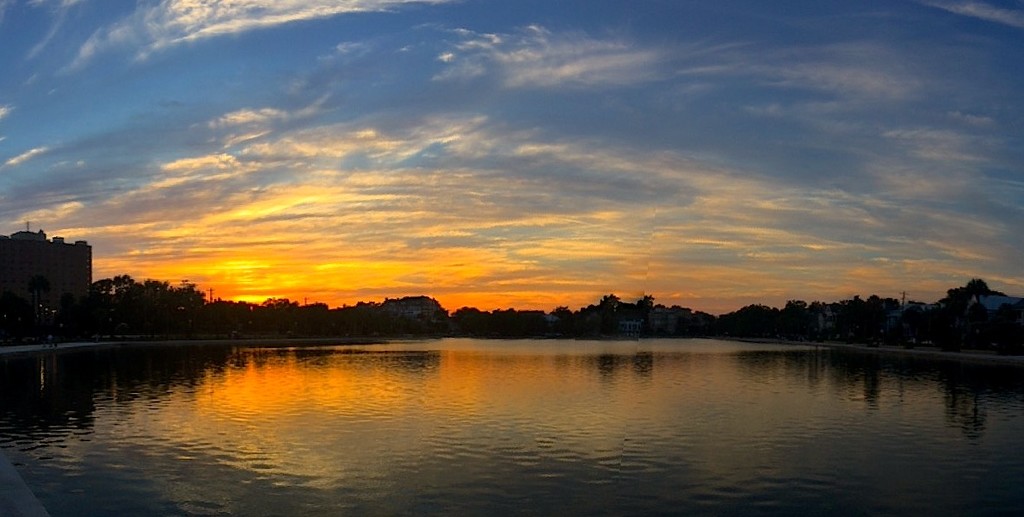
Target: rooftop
x=992 y=303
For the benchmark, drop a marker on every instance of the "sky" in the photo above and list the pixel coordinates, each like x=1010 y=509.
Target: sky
x=525 y=154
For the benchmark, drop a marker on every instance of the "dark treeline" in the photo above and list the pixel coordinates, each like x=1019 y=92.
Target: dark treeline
x=610 y=317
x=123 y=308
x=957 y=321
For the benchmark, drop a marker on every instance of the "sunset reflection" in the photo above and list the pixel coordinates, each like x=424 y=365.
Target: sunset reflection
x=472 y=425
x=316 y=415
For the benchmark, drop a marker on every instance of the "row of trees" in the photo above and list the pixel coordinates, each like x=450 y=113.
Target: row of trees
x=123 y=307
x=953 y=323
x=605 y=318
x=855 y=319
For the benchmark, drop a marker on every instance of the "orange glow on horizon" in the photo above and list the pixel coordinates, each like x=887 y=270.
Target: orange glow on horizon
x=383 y=230
x=713 y=289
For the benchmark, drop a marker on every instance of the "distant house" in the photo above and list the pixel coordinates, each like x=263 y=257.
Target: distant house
x=895 y=319
x=993 y=303
x=908 y=321
x=678 y=321
x=823 y=318
x=668 y=320
x=630 y=327
x=422 y=308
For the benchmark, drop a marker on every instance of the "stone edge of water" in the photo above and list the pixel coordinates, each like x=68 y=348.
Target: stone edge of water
x=16 y=499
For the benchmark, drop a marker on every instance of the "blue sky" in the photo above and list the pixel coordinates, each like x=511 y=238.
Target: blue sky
x=525 y=154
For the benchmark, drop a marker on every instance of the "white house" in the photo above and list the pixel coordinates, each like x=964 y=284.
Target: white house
x=992 y=304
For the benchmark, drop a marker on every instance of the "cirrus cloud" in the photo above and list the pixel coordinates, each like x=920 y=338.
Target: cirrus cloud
x=25 y=156
x=982 y=11
x=173 y=22
x=537 y=58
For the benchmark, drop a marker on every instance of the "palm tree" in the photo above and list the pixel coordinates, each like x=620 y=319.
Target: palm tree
x=37 y=285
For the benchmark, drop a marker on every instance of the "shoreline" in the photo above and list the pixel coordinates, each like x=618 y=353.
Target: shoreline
x=975 y=356
x=41 y=348
x=969 y=356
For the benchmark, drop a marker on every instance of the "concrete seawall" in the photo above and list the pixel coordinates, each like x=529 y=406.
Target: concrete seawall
x=16 y=500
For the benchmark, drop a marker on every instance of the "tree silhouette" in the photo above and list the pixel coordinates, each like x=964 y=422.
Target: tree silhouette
x=37 y=285
x=959 y=297
x=607 y=309
x=795 y=318
x=955 y=326
x=15 y=315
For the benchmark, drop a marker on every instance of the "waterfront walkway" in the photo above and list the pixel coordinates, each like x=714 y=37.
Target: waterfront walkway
x=46 y=347
x=16 y=500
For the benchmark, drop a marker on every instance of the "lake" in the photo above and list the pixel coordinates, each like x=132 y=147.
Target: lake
x=477 y=427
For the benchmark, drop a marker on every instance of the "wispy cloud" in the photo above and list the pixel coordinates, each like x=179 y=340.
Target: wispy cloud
x=864 y=70
x=201 y=170
x=983 y=11
x=54 y=212
x=346 y=48
x=25 y=156
x=4 y=5
x=60 y=9
x=56 y=4
x=507 y=164
x=972 y=119
x=265 y=116
x=494 y=217
x=859 y=80
x=248 y=116
x=249 y=124
x=537 y=58
x=173 y=22
x=453 y=202
x=942 y=146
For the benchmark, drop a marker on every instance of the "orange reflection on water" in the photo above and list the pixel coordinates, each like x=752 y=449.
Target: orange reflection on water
x=312 y=412
x=445 y=413
x=307 y=413
x=350 y=416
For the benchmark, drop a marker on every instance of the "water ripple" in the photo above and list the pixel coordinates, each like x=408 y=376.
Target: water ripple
x=462 y=427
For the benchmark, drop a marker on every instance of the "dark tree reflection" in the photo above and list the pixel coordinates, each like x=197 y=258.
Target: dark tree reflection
x=643 y=364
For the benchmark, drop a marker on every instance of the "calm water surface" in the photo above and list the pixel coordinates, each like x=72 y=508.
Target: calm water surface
x=513 y=427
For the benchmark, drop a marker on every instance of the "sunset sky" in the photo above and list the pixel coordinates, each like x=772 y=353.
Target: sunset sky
x=522 y=154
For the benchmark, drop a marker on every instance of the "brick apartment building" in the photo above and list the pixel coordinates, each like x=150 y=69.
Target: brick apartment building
x=67 y=267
